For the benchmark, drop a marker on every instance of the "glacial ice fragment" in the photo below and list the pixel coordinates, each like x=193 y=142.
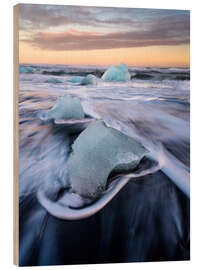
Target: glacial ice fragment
x=67 y=107
x=52 y=80
x=98 y=151
x=117 y=73
x=75 y=79
x=89 y=79
x=25 y=69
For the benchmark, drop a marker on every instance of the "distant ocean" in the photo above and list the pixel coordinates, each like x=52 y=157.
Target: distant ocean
x=153 y=108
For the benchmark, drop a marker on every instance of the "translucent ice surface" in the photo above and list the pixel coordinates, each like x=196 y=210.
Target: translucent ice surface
x=52 y=80
x=75 y=79
x=116 y=73
x=97 y=152
x=89 y=79
x=67 y=107
x=24 y=69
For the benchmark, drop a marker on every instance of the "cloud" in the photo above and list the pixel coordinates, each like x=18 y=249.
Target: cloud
x=140 y=27
x=80 y=40
x=33 y=16
x=67 y=41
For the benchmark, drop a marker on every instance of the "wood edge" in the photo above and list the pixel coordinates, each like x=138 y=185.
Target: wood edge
x=15 y=135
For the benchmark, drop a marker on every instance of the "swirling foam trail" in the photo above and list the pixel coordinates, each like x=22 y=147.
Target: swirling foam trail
x=178 y=173
x=65 y=212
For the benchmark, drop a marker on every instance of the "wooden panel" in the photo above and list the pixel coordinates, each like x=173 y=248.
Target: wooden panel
x=16 y=138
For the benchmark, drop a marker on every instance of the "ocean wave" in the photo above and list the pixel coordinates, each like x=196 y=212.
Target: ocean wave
x=98 y=71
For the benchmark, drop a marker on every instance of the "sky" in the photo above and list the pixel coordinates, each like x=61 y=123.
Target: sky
x=79 y=35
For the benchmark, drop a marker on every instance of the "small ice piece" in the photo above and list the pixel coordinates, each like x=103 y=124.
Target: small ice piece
x=52 y=80
x=117 y=73
x=98 y=151
x=71 y=199
x=75 y=79
x=89 y=79
x=67 y=107
x=25 y=69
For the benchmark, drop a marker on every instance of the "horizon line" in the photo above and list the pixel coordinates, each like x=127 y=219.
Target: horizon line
x=130 y=65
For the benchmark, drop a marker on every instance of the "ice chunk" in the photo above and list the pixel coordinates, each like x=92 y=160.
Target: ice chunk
x=97 y=152
x=117 y=73
x=75 y=79
x=89 y=79
x=25 y=69
x=52 y=80
x=67 y=107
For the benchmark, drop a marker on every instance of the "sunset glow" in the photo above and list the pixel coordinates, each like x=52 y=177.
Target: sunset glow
x=103 y=36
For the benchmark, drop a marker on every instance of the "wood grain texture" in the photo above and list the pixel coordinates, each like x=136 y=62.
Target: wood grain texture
x=16 y=136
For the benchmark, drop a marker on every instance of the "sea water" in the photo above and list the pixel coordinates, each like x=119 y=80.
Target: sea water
x=153 y=107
